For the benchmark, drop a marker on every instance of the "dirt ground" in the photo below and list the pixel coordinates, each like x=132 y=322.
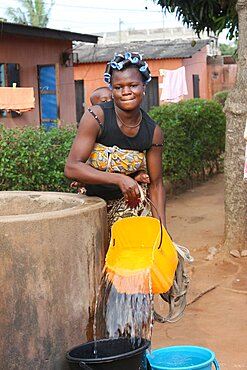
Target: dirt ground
x=216 y=312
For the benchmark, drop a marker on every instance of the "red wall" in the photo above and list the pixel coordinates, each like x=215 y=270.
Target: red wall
x=92 y=73
x=197 y=65
x=93 y=76
x=29 y=53
x=221 y=77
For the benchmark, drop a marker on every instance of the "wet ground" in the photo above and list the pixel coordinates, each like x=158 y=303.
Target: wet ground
x=216 y=312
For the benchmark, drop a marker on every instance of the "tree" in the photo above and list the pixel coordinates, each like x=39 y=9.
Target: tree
x=214 y=16
x=34 y=13
x=226 y=49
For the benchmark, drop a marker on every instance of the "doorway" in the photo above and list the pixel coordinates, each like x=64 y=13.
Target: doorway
x=196 y=90
x=80 y=100
x=151 y=98
x=48 y=96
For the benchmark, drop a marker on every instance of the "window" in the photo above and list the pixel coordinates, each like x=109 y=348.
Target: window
x=9 y=75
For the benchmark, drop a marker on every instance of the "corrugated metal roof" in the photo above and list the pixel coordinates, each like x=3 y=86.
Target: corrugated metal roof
x=31 y=31
x=157 y=49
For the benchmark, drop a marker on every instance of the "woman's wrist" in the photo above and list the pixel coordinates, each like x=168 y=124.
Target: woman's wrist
x=115 y=178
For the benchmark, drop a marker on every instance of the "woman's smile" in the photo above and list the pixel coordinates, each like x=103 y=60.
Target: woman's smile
x=127 y=88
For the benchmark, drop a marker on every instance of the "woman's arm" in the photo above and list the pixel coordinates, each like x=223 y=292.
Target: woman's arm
x=77 y=169
x=156 y=187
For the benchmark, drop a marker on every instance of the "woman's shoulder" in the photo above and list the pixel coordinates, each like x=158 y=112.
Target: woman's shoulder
x=102 y=107
x=148 y=119
x=101 y=111
x=107 y=105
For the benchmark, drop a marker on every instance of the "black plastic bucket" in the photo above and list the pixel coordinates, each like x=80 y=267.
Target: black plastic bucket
x=112 y=354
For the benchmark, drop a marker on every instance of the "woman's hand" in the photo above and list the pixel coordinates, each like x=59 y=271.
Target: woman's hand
x=129 y=187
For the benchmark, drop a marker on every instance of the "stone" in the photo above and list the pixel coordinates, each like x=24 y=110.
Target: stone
x=210 y=257
x=244 y=253
x=235 y=253
x=212 y=250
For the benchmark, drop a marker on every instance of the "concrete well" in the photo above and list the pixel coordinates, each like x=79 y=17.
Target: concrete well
x=52 y=248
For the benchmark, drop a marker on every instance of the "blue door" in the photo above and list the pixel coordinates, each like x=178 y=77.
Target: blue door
x=48 y=96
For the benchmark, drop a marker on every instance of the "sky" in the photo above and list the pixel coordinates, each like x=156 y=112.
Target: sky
x=96 y=16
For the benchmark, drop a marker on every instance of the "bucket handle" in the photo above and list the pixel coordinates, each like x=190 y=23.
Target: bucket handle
x=161 y=226
x=84 y=366
x=216 y=364
x=159 y=218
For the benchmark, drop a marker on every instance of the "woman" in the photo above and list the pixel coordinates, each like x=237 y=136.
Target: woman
x=115 y=141
x=120 y=124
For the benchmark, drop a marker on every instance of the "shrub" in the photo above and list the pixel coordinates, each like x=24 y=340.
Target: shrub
x=34 y=159
x=194 y=132
x=220 y=97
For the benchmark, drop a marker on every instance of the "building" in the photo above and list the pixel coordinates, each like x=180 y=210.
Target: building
x=148 y=34
x=162 y=55
x=40 y=59
x=222 y=74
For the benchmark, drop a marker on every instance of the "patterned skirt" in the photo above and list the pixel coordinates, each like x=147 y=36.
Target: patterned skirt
x=120 y=208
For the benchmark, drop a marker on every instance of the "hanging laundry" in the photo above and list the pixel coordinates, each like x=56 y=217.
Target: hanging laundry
x=18 y=99
x=174 y=85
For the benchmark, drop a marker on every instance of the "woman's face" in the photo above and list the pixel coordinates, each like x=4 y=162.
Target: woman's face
x=127 y=88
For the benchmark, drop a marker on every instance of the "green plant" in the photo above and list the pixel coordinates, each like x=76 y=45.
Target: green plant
x=34 y=159
x=194 y=132
x=176 y=149
x=220 y=97
x=227 y=49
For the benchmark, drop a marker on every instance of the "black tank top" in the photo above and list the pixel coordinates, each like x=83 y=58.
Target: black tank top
x=112 y=135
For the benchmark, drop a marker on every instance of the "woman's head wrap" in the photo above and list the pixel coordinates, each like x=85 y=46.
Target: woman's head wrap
x=121 y=62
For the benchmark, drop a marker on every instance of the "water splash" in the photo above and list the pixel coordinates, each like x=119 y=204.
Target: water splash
x=119 y=314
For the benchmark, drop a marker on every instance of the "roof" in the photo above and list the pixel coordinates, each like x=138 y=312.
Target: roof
x=156 y=49
x=31 y=31
x=229 y=59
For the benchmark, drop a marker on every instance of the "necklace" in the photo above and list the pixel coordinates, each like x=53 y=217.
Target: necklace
x=136 y=125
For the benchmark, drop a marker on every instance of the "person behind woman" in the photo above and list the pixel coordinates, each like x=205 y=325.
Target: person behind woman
x=127 y=134
x=101 y=95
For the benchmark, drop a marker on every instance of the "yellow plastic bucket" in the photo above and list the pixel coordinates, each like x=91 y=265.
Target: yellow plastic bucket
x=141 y=257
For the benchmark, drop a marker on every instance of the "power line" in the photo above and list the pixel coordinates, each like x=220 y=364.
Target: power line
x=94 y=8
x=85 y=24
x=69 y=24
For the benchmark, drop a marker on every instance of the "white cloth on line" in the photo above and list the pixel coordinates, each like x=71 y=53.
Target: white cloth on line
x=174 y=85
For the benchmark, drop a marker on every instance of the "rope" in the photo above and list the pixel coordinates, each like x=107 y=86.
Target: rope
x=176 y=296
